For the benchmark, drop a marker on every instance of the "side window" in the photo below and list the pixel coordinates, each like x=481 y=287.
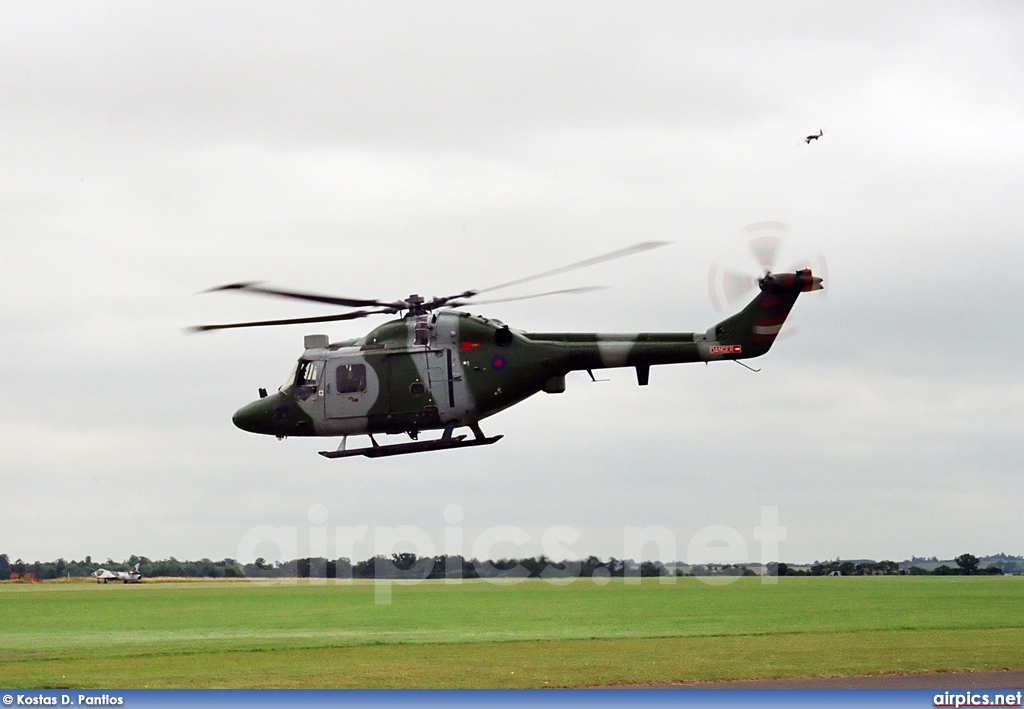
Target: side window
x=351 y=378
x=421 y=333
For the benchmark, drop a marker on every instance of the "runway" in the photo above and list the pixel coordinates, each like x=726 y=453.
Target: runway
x=999 y=679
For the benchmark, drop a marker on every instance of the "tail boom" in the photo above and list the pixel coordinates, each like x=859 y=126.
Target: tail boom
x=749 y=333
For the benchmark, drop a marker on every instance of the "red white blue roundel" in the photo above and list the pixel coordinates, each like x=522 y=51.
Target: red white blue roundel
x=499 y=361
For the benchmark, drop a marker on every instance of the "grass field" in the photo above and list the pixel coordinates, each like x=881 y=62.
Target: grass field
x=478 y=634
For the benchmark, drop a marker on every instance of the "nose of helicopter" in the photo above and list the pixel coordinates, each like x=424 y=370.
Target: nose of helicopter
x=274 y=415
x=253 y=417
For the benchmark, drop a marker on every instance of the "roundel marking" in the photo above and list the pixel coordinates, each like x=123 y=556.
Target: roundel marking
x=499 y=361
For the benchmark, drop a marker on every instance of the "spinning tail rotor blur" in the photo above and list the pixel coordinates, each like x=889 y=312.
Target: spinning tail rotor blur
x=727 y=286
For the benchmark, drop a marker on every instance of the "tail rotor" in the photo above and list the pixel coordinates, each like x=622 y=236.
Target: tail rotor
x=727 y=287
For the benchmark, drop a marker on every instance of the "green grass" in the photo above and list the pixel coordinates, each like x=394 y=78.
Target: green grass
x=484 y=635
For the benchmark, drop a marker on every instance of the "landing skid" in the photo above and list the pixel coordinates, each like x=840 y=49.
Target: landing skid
x=446 y=442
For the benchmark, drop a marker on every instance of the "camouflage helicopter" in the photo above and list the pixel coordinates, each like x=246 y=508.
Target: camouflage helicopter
x=440 y=368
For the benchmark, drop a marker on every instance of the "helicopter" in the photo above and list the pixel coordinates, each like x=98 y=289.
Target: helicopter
x=437 y=367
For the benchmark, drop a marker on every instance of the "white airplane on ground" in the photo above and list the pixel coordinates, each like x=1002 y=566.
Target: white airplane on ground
x=103 y=576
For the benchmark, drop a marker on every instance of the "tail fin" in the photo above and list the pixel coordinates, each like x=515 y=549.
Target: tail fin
x=751 y=332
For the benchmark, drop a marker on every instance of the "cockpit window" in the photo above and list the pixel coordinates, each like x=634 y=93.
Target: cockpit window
x=289 y=381
x=351 y=378
x=309 y=373
x=303 y=379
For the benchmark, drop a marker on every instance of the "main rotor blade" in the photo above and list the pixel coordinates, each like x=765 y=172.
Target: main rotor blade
x=620 y=253
x=582 y=289
x=288 y=321
x=252 y=287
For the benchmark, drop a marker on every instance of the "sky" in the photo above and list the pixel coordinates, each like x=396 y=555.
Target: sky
x=149 y=151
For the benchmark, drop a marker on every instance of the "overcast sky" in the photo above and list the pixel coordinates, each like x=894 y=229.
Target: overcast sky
x=151 y=150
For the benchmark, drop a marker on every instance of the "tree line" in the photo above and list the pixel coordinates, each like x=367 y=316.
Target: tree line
x=402 y=565
x=62 y=568
x=410 y=566
x=966 y=565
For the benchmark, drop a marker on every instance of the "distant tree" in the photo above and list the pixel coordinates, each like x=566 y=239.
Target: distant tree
x=404 y=561
x=46 y=570
x=888 y=567
x=588 y=565
x=968 y=563
x=617 y=567
x=653 y=568
x=208 y=569
x=5 y=567
x=534 y=565
x=944 y=570
x=266 y=571
x=365 y=568
x=916 y=571
x=992 y=571
x=171 y=567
